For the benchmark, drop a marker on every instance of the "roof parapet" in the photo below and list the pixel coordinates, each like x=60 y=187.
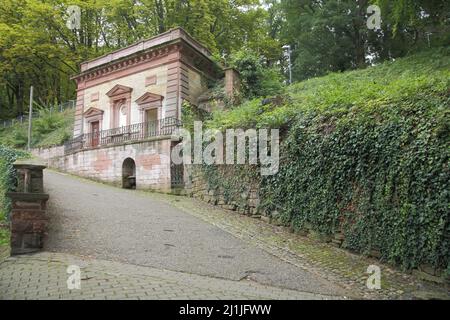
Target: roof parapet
x=161 y=39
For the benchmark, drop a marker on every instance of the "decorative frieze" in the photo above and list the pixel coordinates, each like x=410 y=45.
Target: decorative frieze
x=127 y=62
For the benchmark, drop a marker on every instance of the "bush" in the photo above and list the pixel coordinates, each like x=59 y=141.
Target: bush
x=7 y=175
x=15 y=136
x=258 y=79
x=48 y=122
x=50 y=129
x=365 y=153
x=3 y=188
x=379 y=177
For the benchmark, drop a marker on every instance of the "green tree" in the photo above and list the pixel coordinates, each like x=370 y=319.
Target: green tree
x=332 y=35
x=421 y=23
x=325 y=35
x=258 y=78
x=36 y=47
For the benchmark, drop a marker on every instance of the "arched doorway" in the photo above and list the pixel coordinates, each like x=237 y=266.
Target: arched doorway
x=129 y=174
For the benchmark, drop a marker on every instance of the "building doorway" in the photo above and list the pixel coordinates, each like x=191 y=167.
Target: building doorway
x=176 y=173
x=151 y=120
x=129 y=174
x=95 y=132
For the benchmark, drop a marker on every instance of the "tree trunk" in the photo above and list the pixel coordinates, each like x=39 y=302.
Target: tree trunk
x=159 y=5
x=359 y=41
x=20 y=97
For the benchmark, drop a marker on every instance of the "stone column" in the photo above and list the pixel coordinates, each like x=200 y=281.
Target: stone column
x=28 y=222
x=232 y=84
x=28 y=216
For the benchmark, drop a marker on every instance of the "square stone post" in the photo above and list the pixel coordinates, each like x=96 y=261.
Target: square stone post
x=28 y=216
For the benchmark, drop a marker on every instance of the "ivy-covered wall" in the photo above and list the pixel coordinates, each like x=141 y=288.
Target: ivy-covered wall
x=364 y=156
x=233 y=188
x=381 y=178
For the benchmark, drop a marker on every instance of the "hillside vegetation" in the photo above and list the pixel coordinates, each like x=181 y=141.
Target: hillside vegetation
x=7 y=158
x=364 y=153
x=369 y=90
x=50 y=129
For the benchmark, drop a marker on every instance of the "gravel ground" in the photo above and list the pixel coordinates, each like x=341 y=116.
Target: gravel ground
x=98 y=221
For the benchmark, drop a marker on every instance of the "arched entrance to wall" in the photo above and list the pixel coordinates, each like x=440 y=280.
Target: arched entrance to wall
x=129 y=174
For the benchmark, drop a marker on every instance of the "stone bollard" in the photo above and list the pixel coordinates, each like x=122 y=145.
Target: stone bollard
x=28 y=215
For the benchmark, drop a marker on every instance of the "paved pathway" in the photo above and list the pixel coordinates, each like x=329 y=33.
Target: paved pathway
x=44 y=276
x=96 y=222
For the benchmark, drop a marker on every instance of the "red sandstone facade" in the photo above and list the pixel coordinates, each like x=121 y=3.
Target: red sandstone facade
x=144 y=82
x=128 y=104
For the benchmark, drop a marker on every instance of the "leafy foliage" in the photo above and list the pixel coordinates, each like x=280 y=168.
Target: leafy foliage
x=37 y=48
x=427 y=72
x=191 y=113
x=49 y=129
x=258 y=79
x=418 y=16
x=329 y=36
x=378 y=176
x=235 y=185
x=7 y=158
x=3 y=187
x=364 y=153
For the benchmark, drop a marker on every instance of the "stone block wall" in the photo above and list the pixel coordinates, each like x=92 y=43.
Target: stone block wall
x=28 y=222
x=28 y=217
x=196 y=186
x=152 y=159
x=48 y=153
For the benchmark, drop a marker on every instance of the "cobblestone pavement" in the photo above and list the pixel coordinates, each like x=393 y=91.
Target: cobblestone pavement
x=334 y=264
x=98 y=221
x=213 y=254
x=44 y=276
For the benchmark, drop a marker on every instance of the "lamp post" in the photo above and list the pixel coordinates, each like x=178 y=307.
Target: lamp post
x=287 y=49
x=30 y=118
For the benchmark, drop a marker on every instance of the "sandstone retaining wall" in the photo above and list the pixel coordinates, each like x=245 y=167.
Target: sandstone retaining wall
x=104 y=163
x=196 y=186
x=48 y=153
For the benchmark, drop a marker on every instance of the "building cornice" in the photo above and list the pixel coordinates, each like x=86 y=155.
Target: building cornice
x=142 y=52
x=126 y=62
x=158 y=40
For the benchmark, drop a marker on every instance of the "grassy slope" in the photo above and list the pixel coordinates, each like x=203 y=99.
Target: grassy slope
x=365 y=153
x=427 y=73
x=48 y=130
